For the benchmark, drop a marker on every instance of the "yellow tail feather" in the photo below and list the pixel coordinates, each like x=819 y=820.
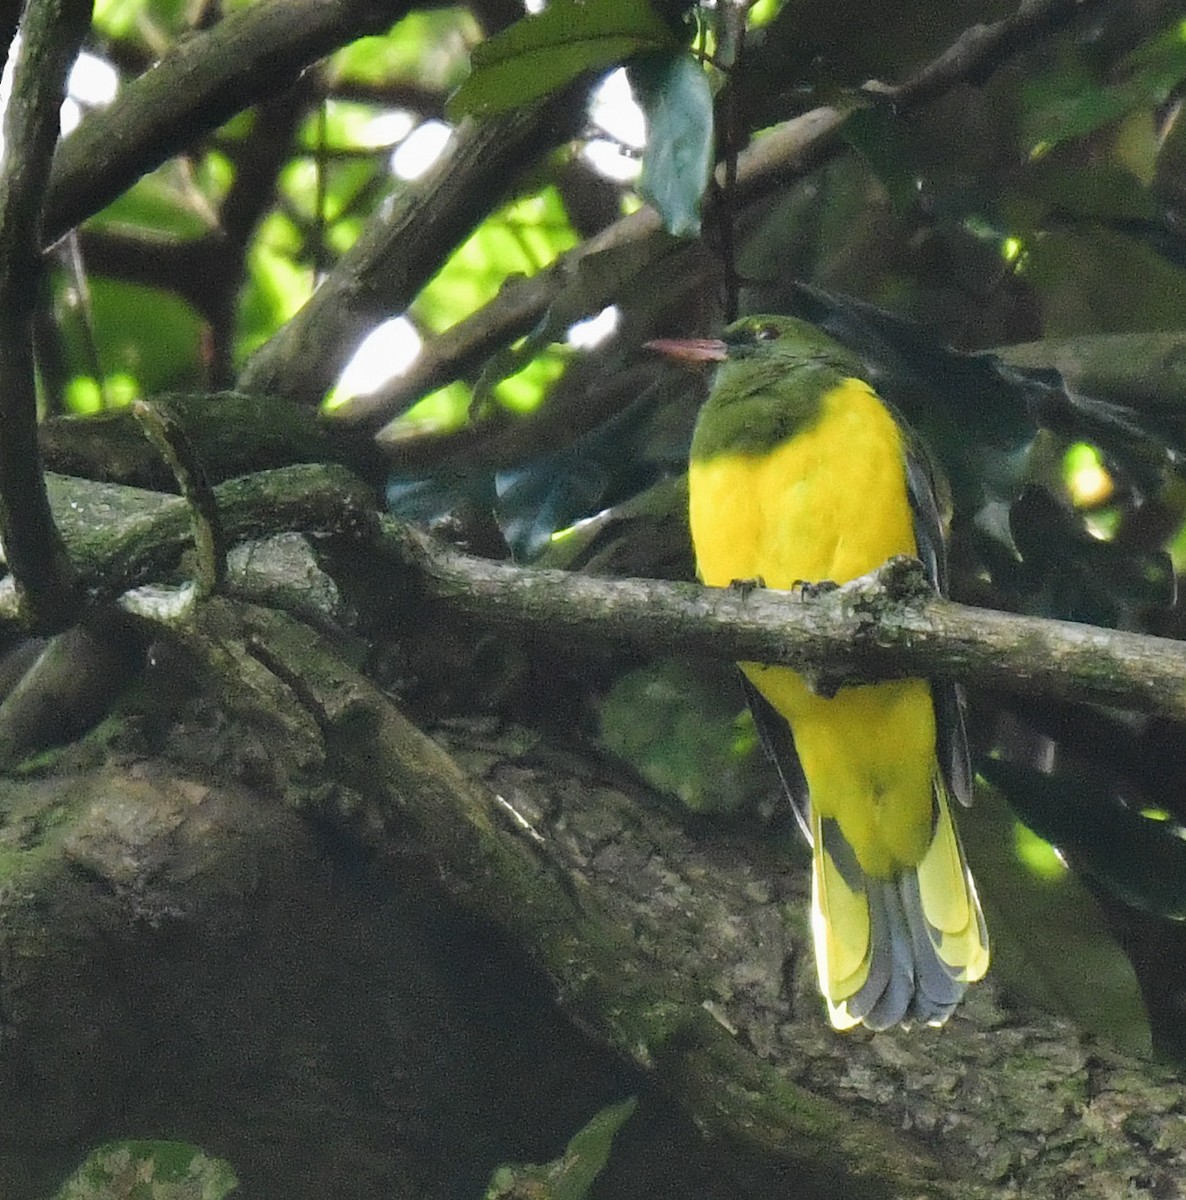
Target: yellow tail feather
x=897 y=949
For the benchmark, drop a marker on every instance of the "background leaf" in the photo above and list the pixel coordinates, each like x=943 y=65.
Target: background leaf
x=674 y=93
x=541 y=53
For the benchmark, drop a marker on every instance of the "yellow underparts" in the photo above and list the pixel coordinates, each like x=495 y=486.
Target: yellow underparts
x=831 y=504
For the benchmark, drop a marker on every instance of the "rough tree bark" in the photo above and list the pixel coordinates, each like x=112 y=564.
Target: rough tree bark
x=263 y=892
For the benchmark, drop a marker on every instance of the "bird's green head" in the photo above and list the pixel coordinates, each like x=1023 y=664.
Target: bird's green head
x=773 y=372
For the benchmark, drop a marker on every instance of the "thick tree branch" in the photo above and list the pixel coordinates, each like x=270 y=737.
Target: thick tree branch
x=881 y=626
x=52 y=32
x=414 y=793
x=675 y=949
x=254 y=53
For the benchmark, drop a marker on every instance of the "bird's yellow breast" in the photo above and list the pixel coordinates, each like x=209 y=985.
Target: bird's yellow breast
x=830 y=503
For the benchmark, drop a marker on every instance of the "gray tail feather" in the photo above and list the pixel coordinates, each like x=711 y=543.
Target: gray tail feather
x=907 y=979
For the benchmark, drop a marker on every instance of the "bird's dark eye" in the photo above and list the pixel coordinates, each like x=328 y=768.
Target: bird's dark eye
x=765 y=333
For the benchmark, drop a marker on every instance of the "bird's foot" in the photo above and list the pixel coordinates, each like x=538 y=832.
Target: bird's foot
x=745 y=586
x=812 y=589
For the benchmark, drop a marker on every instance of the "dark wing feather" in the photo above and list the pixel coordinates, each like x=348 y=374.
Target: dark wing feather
x=930 y=535
x=779 y=744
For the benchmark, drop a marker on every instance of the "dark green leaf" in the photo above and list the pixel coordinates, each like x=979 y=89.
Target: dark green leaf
x=673 y=91
x=1153 y=71
x=541 y=53
x=884 y=141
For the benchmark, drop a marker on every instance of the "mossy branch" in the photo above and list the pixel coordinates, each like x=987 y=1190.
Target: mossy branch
x=884 y=625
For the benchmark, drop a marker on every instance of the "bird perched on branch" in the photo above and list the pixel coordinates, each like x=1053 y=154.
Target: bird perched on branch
x=801 y=474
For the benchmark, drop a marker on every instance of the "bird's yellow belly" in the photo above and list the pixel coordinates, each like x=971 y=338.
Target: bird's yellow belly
x=830 y=504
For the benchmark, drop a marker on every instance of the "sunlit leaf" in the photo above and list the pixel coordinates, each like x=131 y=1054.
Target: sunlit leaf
x=430 y=47
x=341 y=125
x=673 y=91
x=150 y=336
x=125 y=18
x=340 y=185
x=541 y=53
x=169 y=202
x=520 y=239
x=276 y=285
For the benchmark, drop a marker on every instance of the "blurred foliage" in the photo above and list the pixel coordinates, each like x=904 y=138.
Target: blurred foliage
x=570 y=1176
x=150 y=1171
x=678 y=725
x=1009 y=259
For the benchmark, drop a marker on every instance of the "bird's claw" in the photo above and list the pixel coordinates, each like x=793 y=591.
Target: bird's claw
x=745 y=586
x=812 y=589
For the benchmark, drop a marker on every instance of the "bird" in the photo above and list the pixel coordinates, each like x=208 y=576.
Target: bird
x=800 y=475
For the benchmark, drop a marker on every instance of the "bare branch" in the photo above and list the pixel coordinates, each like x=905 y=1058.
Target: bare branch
x=52 y=32
x=884 y=625
x=879 y=626
x=980 y=49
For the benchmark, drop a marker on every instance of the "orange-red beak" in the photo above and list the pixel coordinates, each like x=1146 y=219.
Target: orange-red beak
x=690 y=350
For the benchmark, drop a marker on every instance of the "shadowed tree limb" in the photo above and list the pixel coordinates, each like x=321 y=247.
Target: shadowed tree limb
x=52 y=32
x=880 y=626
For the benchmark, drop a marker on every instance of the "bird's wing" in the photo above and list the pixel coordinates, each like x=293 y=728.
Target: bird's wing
x=779 y=744
x=930 y=537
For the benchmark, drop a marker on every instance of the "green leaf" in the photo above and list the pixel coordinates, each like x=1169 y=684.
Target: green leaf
x=572 y=1175
x=520 y=239
x=165 y=203
x=150 y=1171
x=1072 y=106
x=428 y=47
x=146 y=334
x=541 y=53
x=891 y=147
x=673 y=91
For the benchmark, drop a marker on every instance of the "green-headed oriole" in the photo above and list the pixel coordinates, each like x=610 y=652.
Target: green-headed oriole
x=799 y=473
